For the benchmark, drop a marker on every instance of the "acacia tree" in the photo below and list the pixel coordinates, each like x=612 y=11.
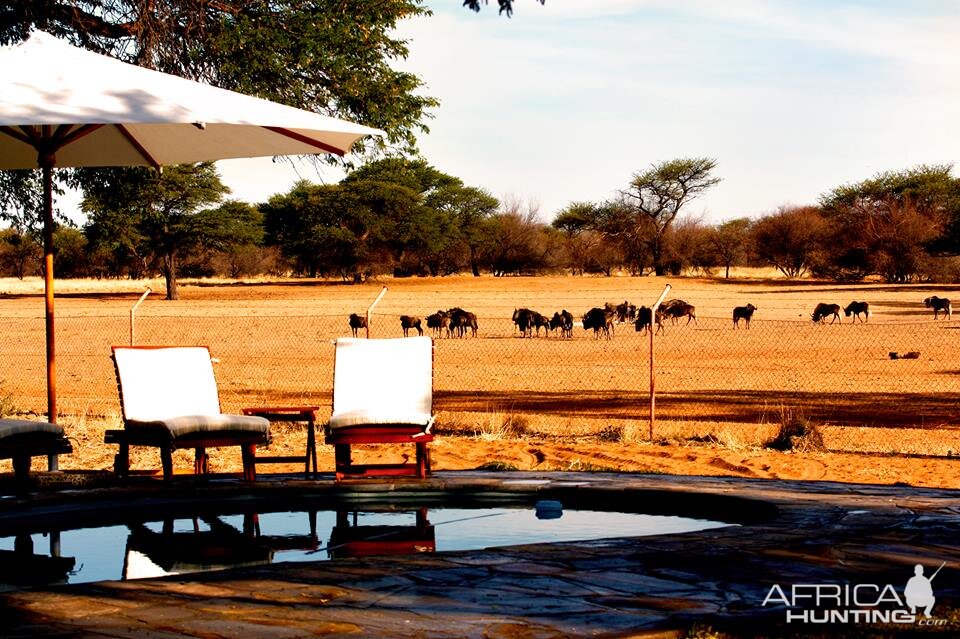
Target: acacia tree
x=731 y=242
x=397 y=214
x=794 y=240
x=891 y=223
x=688 y=246
x=160 y=206
x=463 y=211
x=21 y=198
x=396 y=192
x=655 y=197
x=318 y=229
x=20 y=253
x=585 y=247
x=234 y=231
x=517 y=241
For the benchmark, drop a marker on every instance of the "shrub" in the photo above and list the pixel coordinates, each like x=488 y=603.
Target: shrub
x=797 y=433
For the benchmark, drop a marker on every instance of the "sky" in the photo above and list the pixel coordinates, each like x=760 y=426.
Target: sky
x=565 y=102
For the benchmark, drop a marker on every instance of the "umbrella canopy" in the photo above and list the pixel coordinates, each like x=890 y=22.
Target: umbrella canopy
x=65 y=106
x=117 y=114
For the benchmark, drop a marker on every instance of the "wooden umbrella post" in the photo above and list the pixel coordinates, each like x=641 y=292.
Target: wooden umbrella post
x=383 y=292
x=653 y=321
x=47 y=163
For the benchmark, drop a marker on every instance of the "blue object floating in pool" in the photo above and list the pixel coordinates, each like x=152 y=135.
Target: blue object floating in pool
x=548 y=509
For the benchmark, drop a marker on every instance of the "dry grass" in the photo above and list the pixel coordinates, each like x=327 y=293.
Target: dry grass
x=797 y=433
x=717 y=388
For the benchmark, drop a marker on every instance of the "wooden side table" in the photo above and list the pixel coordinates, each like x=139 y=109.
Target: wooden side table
x=306 y=414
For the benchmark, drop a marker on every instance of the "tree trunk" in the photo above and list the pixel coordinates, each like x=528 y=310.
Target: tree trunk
x=170 y=275
x=656 y=252
x=474 y=262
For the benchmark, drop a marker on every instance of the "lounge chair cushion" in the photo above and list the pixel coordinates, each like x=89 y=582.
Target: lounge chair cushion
x=375 y=416
x=191 y=425
x=160 y=383
x=383 y=381
x=12 y=427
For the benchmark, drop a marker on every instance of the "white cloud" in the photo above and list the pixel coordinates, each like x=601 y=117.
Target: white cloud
x=565 y=103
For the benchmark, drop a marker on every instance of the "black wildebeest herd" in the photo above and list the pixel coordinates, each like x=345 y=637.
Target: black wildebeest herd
x=452 y=322
x=602 y=320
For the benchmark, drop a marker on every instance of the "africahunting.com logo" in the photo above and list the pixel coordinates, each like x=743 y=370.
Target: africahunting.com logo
x=828 y=603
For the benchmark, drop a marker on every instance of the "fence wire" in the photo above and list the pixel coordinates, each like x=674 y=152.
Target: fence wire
x=874 y=388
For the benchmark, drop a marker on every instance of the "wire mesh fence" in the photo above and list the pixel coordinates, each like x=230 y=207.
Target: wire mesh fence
x=891 y=388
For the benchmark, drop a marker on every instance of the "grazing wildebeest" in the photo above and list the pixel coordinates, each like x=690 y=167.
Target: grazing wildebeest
x=610 y=311
x=598 y=320
x=461 y=320
x=744 y=313
x=357 y=322
x=645 y=320
x=540 y=321
x=523 y=318
x=822 y=310
x=625 y=311
x=407 y=322
x=939 y=304
x=856 y=308
x=675 y=309
x=564 y=321
x=439 y=322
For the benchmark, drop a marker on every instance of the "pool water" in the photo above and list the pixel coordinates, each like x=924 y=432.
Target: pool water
x=139 y=549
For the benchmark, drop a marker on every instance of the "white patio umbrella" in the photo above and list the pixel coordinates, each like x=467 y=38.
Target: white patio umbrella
x=62 y=106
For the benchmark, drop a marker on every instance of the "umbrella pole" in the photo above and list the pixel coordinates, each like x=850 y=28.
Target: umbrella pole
x=46 y=161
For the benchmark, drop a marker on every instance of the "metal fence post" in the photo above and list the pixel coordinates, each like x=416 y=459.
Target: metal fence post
x=133 y=311
x=653 y=321
x=383 y=292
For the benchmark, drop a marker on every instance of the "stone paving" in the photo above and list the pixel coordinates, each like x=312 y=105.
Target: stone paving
x=790 y=533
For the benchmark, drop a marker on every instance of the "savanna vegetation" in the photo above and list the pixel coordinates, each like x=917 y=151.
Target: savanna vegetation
x=397 y=214
x=404 y=217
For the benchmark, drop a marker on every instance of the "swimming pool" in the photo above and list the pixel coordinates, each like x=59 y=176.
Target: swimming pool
x=150 y=542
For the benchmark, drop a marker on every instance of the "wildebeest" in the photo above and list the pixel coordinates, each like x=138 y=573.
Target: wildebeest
x=626 y=311
x=939 y=304
x=523 y=318
x=564 y=321
x=856 y=308
x=598 y=320
x=407 y=322
x=744 y=313
x=461 y=320
x=439 y=322
x=540 y=321
x=645 y=320
x=675 y=309
x=822 y=310
x=610 y=311
x=528 y=321
x=357 y=322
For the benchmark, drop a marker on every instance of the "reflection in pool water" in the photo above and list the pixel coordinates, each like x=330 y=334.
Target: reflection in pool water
x=140 y=549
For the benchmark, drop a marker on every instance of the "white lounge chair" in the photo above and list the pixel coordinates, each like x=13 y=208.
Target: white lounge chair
x=382 y=394
x=169 y=399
